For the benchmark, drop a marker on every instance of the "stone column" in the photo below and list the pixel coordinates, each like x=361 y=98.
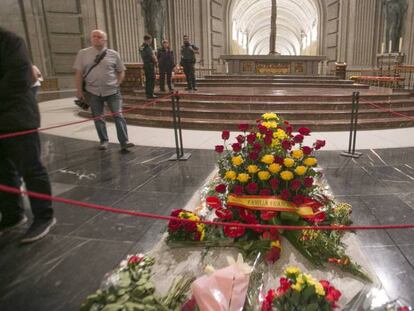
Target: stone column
x=272 y=47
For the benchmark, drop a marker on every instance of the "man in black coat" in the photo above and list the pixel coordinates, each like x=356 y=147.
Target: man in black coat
x=20 y=155
x=150 y=61
x=188 y=61
x=166 y=65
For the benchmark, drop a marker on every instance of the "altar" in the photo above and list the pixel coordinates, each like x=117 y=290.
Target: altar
x=274 y=64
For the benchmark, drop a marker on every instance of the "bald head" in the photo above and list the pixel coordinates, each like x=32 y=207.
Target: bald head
x=98 y=39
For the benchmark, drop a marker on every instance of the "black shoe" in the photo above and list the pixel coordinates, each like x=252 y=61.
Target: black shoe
x=127 y=145
x=152 y=96
x=188 y=88
x=38 y=230
x=194 y=88
x=10 y=224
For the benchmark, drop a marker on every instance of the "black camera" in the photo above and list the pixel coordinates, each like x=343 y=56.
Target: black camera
x=81 y=104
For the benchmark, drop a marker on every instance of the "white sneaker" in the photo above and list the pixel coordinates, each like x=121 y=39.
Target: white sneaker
x=103 y=145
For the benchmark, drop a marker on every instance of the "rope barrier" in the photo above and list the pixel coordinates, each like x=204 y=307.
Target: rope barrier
x=41 y=196
x=20 y=133
x=387 y=110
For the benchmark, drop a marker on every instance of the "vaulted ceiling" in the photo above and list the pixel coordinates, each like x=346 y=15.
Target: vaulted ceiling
x=297 y=22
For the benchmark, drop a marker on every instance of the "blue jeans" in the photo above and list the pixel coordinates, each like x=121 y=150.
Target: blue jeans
x=114 y=103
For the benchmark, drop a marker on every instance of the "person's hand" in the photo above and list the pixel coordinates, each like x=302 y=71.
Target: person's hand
x=79 y=94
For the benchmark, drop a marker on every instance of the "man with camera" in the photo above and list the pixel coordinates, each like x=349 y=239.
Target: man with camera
x=99 y=73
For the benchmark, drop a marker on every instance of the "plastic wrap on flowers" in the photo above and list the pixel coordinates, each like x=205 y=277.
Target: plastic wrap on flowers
x=375 y=299
x=224 y=289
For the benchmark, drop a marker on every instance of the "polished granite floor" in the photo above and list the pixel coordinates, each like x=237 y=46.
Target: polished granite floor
x=57 y=272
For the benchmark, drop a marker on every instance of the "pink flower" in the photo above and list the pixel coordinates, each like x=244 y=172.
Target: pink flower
x=221 y=188
x=237 y=189
x=225 y=135
x=285 y=194
x=252 y=188
x=308 y=182
x=295 y=184
x=240 y=139
x=236 y=147
x=304 y=131
x=298 y=138
x=219 y=148
x=243 y=127
x=307 y=150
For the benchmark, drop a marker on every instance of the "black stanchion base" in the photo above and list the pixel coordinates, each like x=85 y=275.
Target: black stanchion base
x=184 y=157
x=351 y=155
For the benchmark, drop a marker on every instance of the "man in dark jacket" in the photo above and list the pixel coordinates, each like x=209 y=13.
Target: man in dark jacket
x=166 y=65
x=188 y=60
x=20 y=155
x=150 y=61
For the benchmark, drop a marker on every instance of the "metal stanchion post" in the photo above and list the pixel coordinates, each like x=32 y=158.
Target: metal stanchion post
x=175 y=100
x=353 y=128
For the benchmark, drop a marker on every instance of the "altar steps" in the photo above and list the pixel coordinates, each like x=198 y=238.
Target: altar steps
x=276 y=84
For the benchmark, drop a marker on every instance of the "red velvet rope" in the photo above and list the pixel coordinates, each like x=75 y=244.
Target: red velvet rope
x=162 y=217
x=387 y=110
x=15 y=134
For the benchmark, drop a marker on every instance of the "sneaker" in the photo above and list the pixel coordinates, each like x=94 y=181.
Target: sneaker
x=14 y=224
x=103 y=145
x=127 y=145
x=39 y=229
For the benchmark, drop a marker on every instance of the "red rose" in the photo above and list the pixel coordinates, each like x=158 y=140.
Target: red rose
x=243 y=127
x=262 y=129
x=234 y=231
x=308 y=182
x=279 y=160
x=298 y=199
x=334 y=293
x=236 y=147
x=295 y=184
x=319 y=144
x=225 y=135
x=240 y=139
x=325 y=284
x=224 y=213
x=252 y=188
x=286 y=144
x=274 y=183
x=253 y=155
x=284 y=286
x=285 y=194
x=298 y=139
x=273 y=255
x=265 y=191
x=237 y=189
x=307 y=150
x=190 y=227
x=247 y=216
x=272 y=234
x=319 y=217
x=251 y=138
x=174 y=225
x=304 y=131
x=219 y=148
x=267 y=215
x=257 y=147
x=268 y=140
x=176 y=212
x=403 y=309
x=213 y=202
x=134 y=260
x=267 y=304
x=221 y=188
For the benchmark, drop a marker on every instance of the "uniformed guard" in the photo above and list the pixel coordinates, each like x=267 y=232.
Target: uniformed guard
x=188 y=60
x=166 y=64
x=150 y=61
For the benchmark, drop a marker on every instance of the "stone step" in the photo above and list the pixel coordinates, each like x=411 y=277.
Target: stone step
x=276 y=80
x=250 y=84
x=265 y=77
x=252 y=115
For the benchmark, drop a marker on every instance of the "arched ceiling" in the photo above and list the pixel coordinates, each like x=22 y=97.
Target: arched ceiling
x=294 y=19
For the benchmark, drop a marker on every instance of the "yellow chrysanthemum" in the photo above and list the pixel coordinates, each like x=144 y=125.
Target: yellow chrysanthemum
x=310 y=161
x=288 y=162
x=300 y=279
x=286 y=175
x=275 y=244
x=263 y=175
x=292 y=270
x=274 y=168
x=237 y=161
x=297 y=287
x=297 y=154
x=268 y=159
x=270 y=124
x=269 y=116
x=280 y=134
x=193 y=217
x=275 y=142
x=300 y=170
x=319 y=289
x=230 y=175
x=243 y=177
x=252 y=169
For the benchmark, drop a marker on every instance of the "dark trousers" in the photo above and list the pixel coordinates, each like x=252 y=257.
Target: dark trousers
x=189 y=72
x=164 y=71
x=149 y=79
x=20 y=158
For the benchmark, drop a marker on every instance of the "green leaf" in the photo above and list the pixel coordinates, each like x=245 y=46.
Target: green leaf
x=113 y=307
x=307 y=293
x=312 y=307
x=124 y=279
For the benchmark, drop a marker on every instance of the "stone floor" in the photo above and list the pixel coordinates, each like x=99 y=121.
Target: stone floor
x=59 y=271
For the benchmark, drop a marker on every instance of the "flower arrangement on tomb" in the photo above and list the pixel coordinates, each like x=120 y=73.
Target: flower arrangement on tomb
x=268 y=176
x=300 y=291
